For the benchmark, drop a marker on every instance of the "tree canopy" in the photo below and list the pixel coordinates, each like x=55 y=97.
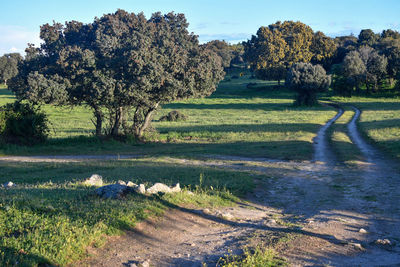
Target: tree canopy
x=122 y=65
x=307 y=80
x=222 y=49
x=365 y=66
x=9 y=66
x=277 y=47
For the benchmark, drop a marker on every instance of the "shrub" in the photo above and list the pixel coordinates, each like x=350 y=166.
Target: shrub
x=174 y=116
x=22 y=124
x=307 y=80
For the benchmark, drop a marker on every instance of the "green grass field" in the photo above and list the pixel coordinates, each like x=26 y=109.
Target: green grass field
x=379 y=121
x=256 y=122
x=51 y=218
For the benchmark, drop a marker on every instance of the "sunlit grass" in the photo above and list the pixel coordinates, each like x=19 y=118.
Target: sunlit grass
x=379 y=121
x=51 y=218
x=255 y=122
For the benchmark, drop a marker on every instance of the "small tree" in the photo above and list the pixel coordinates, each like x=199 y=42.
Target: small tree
x=307 y=80
x=365 y=66
x=341 y=84
x=9 y=66
x=354 y=69
x=367 y=37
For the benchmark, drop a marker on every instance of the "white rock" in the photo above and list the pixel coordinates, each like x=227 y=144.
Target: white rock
x=363 y=231
x=176 y=188
x=121 y=182
x=94 y=180
x=9 y=184
x=206 y=211
x=163 y=188
x=131 y=184
x=357 y=245
x=140 y=189
x=384 y=242
x=225 y=215
x=145 y=263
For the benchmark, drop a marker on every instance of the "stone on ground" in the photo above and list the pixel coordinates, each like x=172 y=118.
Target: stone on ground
x=121 y=182
x=9 y=185
x=131 y=184
x=363 y=231
x=94 y=180
x=140 y=189
x=163 y=188
x=113 y=191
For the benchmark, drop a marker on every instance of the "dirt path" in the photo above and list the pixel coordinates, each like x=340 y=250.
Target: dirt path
x=311 y=212
x=322 y=152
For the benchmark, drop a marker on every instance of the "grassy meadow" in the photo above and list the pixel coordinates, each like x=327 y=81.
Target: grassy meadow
x=259 y=121
x=379 y=120
x=50 y=217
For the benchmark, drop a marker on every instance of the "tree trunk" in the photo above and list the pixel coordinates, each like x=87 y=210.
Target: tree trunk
x=117 y=122
x=99 y=120
x=141 y=127
x=368 y=89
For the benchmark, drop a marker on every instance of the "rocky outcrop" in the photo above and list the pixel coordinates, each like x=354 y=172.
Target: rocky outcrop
x=121 y=189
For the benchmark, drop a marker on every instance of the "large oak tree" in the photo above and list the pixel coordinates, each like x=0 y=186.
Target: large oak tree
x=277 y=47
x=122 y=65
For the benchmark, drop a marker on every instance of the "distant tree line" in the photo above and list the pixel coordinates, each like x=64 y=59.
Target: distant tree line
x=275 y=48
x=367 y=64
x=231 y=54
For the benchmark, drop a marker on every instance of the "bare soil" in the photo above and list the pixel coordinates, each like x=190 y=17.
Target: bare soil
x=319 y=213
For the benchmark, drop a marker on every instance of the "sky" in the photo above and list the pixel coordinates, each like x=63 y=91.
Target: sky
x=230 y=20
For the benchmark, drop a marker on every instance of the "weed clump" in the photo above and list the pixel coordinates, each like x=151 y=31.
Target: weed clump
x=174 y=116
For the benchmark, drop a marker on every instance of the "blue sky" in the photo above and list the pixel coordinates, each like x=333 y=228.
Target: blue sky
x=231 y=20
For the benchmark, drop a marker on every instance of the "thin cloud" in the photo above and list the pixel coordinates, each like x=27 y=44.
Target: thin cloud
x=15 y=39
x=231 y=38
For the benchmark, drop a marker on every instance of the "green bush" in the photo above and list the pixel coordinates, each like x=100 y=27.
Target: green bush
x=174 y=116
x=22 y=124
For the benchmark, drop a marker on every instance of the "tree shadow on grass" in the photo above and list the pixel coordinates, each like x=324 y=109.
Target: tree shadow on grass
x=245 y=106
x=180 y=147
x=13 y=257
x=247 y=128
x=6 y=94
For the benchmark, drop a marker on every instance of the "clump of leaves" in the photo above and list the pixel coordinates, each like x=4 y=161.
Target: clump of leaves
x=23 y=124
x=174 y=116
